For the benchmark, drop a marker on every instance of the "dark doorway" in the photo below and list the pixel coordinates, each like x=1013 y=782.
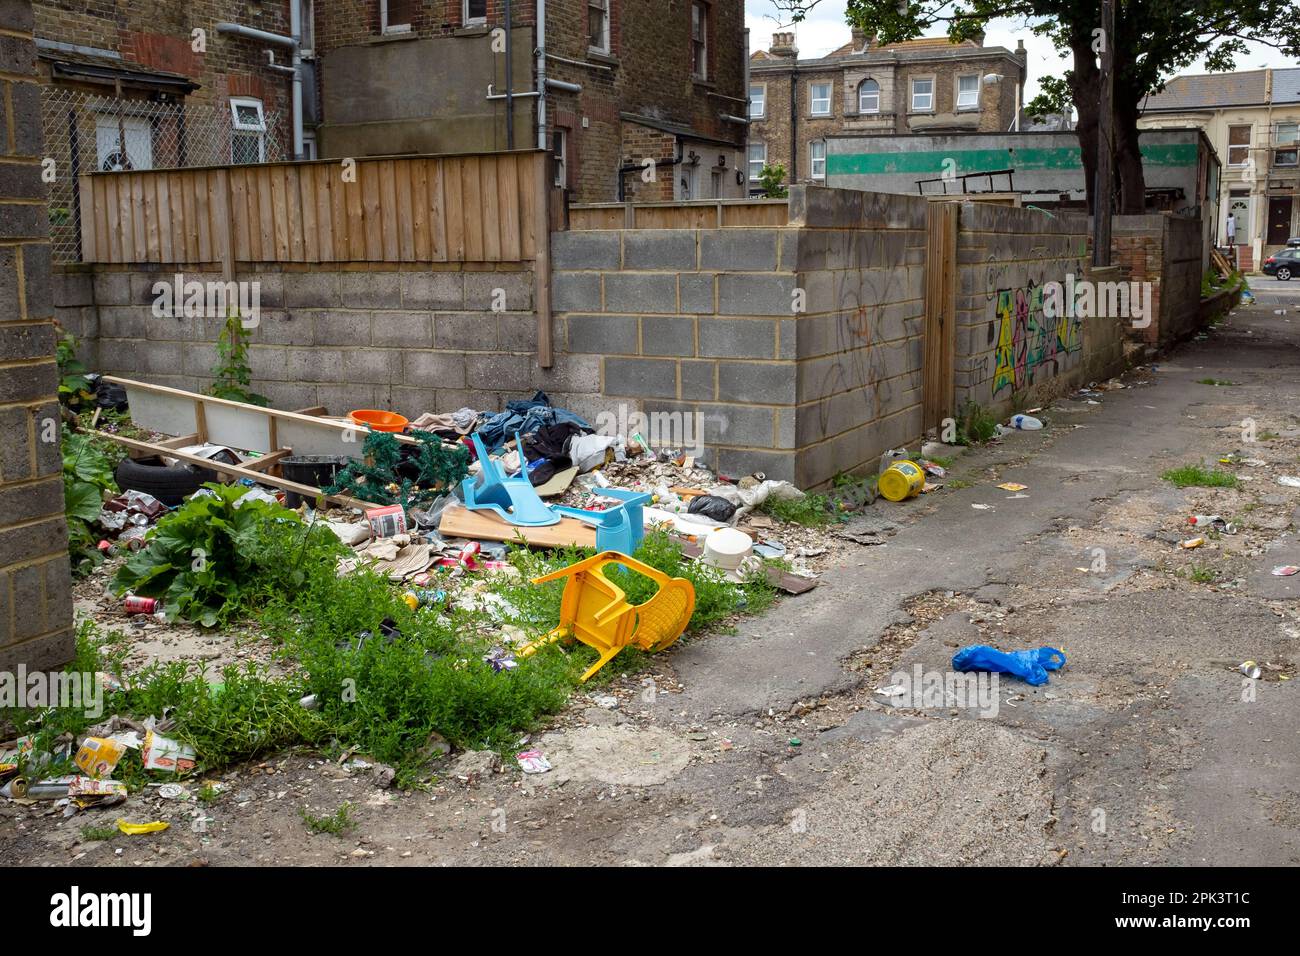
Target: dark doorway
x=1279 y=220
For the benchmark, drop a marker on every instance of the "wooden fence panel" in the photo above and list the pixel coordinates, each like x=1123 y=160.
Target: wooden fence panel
x=464 y=208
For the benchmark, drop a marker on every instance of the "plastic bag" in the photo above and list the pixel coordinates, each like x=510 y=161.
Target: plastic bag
x=711 y=506
x=1030 y=666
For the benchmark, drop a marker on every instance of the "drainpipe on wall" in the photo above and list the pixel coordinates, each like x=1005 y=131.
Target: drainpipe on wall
x=292 y=42
x=541 y=74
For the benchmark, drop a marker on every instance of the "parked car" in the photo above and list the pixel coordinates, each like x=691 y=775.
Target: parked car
x=1284 y=264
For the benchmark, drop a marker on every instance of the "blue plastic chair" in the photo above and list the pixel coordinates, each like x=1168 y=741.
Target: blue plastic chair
x=621 y=528
x=513 y=498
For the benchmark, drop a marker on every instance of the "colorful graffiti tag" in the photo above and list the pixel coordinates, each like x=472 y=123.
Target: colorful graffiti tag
x=1028 y=341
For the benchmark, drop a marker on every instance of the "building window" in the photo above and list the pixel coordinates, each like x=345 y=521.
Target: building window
x=923 y=94
x=247 y=131
x=968 y=92
x=1238 y=145
x=757 y=160
x=869 y=97
x=1287 y=152
x=757 y=101
x=819 y=99
x=700 y=41
x=395 y=15
x=817 y=157
x=598 y=25
x=560 y=154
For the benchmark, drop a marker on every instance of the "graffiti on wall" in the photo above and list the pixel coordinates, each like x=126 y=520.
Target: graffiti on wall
x=1029 y=343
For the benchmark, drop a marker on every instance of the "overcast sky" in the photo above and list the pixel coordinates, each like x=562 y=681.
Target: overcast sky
x=825 y=29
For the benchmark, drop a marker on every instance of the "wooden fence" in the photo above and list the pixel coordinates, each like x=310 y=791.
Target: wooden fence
x=466 y=208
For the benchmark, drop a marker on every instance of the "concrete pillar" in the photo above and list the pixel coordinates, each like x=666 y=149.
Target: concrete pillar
x=35 y=579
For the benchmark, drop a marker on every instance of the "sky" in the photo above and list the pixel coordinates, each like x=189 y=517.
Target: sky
x=825 y=29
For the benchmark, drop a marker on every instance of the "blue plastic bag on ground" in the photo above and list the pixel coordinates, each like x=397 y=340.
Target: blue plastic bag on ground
x=1030 y=666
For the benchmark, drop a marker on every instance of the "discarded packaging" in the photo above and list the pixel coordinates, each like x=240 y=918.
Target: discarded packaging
x=1212 y=523
x=98 y=756
x=163 y=753
x=532 y=761
x=1286 y=570
x=1025 y=423
x=141 y=605
x=137 y=829
x=386 y=522
x=1191 y=543
x=1250 y=669
x=901 y=480
x=1031 y=666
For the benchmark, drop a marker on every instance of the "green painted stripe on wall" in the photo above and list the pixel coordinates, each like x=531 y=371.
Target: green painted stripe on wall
x=977 y=160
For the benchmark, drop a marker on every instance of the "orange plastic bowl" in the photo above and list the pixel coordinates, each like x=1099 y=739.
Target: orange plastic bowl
x=378 y=420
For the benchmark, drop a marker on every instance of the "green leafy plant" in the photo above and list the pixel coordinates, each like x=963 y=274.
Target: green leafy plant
x=772 y=181
x=93 y=834
x=87 y=474
x=336 y=823
x=234 y=377
x=1215 y=381
x=74 y=385
x=221 y=555
x=975 y=425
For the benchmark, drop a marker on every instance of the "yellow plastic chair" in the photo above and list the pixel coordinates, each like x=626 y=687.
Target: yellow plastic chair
x=596 y=612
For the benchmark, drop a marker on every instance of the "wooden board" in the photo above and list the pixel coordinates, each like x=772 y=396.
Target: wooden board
x=459 y=522
x=939 y=344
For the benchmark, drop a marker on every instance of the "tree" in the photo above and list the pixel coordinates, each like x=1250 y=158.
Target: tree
x=1153 y=39
x=772 y=182
x=1053 y=98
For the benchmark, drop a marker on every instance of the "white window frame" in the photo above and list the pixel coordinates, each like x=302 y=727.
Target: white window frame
x=749 y=160
x=813 y=159
x=862 y=89
x=561 y=157
x=389 y=28
x=603 y=46
x=760 y=100
x=1245 y=147
x=814 y=99
x=239 y=128
x=1295 y=134
x=913 y=94
x=700 y=42
x=957 y=92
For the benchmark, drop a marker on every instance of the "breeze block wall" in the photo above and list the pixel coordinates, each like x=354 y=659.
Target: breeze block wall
x=1009 y=353
x=35 y=577
x=412 y=341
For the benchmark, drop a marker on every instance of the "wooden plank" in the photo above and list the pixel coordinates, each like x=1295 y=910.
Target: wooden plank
x=293 y=209
x=140 y=245
x=90 y=234
x=454 y=209
x=423 y=250
x=508 y=189
x=202 y=223
x=266 y=461
x=308 y=229
x=371 y=188
x=939 y=331
x=471 y=184
x=223 y=230
x=180 y=441
x=491 y=208
x=528 y=210
x=239 y=213
x=405 y=211
x=122 y=187
x=459 y=522
x=436 y=171
x=237 y=471
x=153 y=241
x=324 y=212
x=266 y=214
x=354 y=192
x=176 y=202
x=280 y=207
x=162 y=189
x=388 y=212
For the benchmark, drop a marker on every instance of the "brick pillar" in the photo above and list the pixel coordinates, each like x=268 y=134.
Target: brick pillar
x=35 y=579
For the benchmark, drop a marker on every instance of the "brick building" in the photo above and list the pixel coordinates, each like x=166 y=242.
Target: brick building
x=155 y=84
x=627 y=81
x=918 y=86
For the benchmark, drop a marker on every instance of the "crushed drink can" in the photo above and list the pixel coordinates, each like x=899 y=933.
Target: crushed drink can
x=141 y=605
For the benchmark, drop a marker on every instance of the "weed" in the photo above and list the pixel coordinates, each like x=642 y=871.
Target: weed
x=94 y=834
x=1195 y=476
x=1202 y=574
x=208 y=793
x=232 y=375
x=813 y=511
x=956 y=484
x=975 y=426
x=336 y=823
x=941 y=460
x=1215 y=381
x=1267 y=436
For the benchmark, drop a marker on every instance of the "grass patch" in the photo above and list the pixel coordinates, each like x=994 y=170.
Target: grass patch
x=1196 y=476
x=975 y=425
x=1202 y=574
x=1267 y=436
x=956 y=484
x=336 y=823
x=94 y=834
x=1215 y=381
x=811 y=511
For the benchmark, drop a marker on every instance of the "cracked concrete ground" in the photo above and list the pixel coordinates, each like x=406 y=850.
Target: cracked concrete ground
x=770 y=745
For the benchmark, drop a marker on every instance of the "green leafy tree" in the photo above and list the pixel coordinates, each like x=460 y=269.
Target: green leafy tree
x=1054 y=98
x=1152 y=40
x=234 y=377
x=772 y=182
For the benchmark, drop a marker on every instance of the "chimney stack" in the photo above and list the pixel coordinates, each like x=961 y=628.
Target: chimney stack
x=783 y=45
x=861 y=40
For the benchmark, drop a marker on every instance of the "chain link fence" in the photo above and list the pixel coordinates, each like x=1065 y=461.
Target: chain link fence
x=86 y=132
